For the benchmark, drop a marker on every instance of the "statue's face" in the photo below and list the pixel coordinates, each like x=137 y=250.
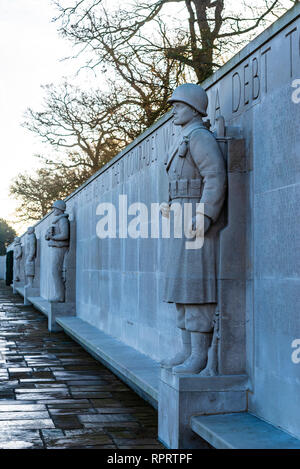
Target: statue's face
x=57 y=212
x=183 y=113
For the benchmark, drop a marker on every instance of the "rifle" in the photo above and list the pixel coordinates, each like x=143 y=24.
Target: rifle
x=211 y=368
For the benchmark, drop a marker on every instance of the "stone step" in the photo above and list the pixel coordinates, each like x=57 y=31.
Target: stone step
x=20 y=290
x=138 y=371
x=40 y=304
x=241 y=431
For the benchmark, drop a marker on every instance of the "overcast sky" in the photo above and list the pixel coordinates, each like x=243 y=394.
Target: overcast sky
x=30 y=55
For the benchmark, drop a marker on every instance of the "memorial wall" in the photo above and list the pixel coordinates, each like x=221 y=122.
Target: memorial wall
x=119 y=280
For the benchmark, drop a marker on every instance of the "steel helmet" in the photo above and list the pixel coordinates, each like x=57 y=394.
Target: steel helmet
x=60 y=204
x=193 y=95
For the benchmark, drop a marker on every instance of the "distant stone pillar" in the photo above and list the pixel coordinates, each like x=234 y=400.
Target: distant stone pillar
x=30 y=267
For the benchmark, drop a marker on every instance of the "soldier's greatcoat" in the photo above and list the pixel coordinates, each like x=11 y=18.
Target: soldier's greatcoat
x=30 y=250
x=60 y=226
x=197 y=173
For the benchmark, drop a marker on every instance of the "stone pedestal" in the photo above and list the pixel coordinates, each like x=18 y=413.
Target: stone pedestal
x=29 y=292
x=56 y=310
x=17 y=286
x=184 y=396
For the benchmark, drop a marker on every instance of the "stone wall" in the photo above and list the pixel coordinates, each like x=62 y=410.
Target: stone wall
x=2 y=267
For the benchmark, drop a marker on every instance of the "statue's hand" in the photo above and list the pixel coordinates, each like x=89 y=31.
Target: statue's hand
x=197 y=225
x=48 y=234
x=165 y=209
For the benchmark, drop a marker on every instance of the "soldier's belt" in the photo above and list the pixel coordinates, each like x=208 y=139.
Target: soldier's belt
x=185 y=188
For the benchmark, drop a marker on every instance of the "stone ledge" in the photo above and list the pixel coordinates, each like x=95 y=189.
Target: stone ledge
x=138 y=371
x=20 y=290
x=241 y=431
x=40 y=304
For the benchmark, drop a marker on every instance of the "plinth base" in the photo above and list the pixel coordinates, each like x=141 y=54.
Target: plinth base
x=183 y=396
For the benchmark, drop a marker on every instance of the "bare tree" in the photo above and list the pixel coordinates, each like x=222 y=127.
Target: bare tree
x=146 y=50
x=205 y=31
x=7 y=234
x=93 y=126
x=83 y=126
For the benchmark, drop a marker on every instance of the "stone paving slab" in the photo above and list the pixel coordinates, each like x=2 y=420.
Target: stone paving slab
x=37 y=423
x=11 y=407
x=54 y=395
x=20 y=439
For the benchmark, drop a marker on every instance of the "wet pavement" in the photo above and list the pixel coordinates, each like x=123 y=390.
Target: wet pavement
x=53 y=394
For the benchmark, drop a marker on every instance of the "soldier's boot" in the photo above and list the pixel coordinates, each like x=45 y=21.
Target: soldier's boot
x=29 y=283
x=184 y=353
x=196 y=362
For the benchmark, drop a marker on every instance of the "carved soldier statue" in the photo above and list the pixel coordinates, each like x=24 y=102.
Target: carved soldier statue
x=197 y=174
x=30 y=252
x=58 y=236
x=17 y=259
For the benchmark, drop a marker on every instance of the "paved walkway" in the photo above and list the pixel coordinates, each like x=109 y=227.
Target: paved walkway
x=53 y=394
